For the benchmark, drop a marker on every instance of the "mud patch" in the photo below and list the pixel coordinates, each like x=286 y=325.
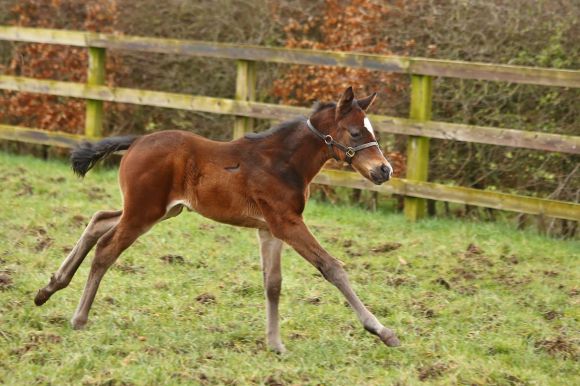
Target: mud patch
x=560 y=346
x=464 y=274
x=79 y=220
x=206 y=298
x=273 y=381
x=399 y=280
x=432 y=371
x=58 y=180
x=551 y=273
x=96 y=193
x=6 y=281
x=443 y=283
x=35 y=340
x=347 y=243
x=128 y=268
x=25 y=189
x=473 y=250
x=57 y=319
x=476 y=255
x=206 y=227
x=43 y=241
x=316 y=300
x=421 y=309
x=173 y=259
x=466 y=289
x=551 y=315
x=511 y=259
x=510 y=280
x=387 y=247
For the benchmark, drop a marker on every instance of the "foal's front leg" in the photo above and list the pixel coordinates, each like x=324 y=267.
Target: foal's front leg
x=294 y=232
x=270 y=252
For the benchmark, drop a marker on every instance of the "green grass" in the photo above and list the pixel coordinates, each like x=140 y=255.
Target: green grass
x=505 y=313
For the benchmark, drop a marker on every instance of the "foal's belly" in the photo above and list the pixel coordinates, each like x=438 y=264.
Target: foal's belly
x=221 y=199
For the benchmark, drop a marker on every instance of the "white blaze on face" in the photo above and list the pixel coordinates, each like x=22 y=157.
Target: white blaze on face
x=369 y=127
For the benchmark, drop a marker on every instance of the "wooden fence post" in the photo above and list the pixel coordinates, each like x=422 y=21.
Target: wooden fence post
x=418 y=147
x=245 y=91
x=95 y=76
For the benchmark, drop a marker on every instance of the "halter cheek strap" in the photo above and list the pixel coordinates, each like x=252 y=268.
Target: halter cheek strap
x=349 y=151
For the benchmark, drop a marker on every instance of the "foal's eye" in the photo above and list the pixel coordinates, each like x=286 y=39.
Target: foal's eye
x=355 y=134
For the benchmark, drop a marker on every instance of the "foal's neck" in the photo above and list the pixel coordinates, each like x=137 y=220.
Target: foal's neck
x=313 y=152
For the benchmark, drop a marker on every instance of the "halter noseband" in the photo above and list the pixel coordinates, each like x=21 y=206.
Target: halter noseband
x=349 y=151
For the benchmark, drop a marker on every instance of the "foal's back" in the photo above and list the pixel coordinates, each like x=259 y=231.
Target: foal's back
x=172 y=168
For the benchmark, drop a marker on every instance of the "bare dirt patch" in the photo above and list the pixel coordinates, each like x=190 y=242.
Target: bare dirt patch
x=398 y=280
x=551 y=273
x=473 y=250
x=443 y=282
x=510 y=280
x=316 y=300
x=206 y=298
x=421 y=309
x=43 y=241
x=58 y=180
x=511 y=259
x=172 y=259
x=552 y=314
x=128 y=268
x=96 y=193
x=559 y=346
x=432 y=371
x=464 y=273
x=6 y=281
x=387 y=247
x=25 y=189
x=79 y=220
x=35 y=340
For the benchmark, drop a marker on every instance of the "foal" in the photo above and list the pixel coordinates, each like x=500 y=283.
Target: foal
x=259 y=181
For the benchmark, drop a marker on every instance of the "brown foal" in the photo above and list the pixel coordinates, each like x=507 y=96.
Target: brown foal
x=259 y=181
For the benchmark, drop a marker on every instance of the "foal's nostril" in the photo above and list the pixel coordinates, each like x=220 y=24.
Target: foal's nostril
x=386 y=170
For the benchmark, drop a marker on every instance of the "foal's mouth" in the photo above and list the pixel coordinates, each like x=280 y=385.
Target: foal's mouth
x=378 y=180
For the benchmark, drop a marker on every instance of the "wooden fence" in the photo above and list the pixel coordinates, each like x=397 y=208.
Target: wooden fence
x=418 y=126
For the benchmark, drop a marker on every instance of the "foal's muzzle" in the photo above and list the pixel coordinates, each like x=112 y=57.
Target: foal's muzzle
x=381 y=173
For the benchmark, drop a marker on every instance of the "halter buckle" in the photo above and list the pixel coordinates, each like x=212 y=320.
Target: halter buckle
x=328 y=139
x=350 y=152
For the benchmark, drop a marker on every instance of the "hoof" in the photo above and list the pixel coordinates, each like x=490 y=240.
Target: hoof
x=389 y=338
x=277 y=348
x=78 y=323
x=42 y=297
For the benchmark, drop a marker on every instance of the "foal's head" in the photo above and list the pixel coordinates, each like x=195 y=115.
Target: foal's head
x=353 y=129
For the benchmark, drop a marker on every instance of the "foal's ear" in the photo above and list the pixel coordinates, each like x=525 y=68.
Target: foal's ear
x=365 y=103
x=344 y=103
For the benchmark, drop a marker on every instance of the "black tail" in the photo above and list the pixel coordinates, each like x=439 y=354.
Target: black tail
x=86 y=154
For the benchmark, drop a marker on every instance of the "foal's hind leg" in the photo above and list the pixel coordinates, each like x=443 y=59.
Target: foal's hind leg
x=109 y=247
x=271 y=251
x=101 y=222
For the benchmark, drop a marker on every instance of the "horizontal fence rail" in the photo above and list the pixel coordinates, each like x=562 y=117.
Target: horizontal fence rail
x=419 y=129
x=381 y=123
x=389 y=63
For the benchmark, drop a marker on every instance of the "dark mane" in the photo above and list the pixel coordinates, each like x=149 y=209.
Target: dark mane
x=289 y=125
x=284 y=126
x=319 y=106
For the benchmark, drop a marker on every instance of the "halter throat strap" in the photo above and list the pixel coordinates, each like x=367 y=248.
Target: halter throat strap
x=349 y=151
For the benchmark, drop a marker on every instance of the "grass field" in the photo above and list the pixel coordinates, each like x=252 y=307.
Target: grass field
x=473 y=303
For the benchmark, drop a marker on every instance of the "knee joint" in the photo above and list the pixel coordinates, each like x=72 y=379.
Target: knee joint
x=274 y=285
x=332 y=271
